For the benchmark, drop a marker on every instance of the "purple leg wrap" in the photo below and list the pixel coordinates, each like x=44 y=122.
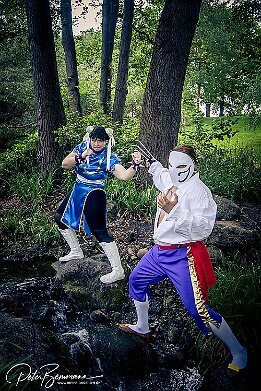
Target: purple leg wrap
x=159 y=264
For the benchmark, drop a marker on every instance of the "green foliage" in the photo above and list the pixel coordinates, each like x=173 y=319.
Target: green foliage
x=229 y=169
x=31 y=186
x=30 y=223
x=16 y=89
x=88 y=52
x=203 y=136
x=133 y=197
x=88 y=47
x=246 y=135
x=237 y=296
x=145 y=24
x=68 y=181
x=233 y=173
x=224 y=59
x=72 y=133
x=20 y=157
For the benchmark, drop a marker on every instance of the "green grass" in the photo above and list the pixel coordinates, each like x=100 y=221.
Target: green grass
x=245 y=136
x=228 y=163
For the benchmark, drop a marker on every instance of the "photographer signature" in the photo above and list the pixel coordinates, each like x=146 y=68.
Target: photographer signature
x=46 y=374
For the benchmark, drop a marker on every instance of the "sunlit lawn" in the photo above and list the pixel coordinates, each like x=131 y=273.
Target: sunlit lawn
x=245 y=135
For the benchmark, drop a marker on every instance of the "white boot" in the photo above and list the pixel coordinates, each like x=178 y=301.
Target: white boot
x=112 y=253
x=141 y=328
x=71 y=238
x=226 y=335
x=142 y=309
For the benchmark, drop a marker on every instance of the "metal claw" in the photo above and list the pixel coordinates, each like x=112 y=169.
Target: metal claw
x=143 y=154
x=143 y=150
x=142 y=146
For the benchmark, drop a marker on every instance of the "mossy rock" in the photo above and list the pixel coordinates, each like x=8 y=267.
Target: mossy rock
x=81 y=279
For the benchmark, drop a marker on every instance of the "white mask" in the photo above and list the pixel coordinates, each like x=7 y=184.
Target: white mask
x=180 y=175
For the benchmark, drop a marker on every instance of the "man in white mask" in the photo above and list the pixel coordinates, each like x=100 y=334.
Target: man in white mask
x=185 y=217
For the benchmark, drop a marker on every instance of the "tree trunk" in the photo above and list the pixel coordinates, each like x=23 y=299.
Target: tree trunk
x=208 y=109
x=221 y=108
x=70 y=55
x=110 y=9
x=161 y=109
x=123 y=67
x=49 y=105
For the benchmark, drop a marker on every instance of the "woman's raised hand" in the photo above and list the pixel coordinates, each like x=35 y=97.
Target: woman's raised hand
x=136 y=156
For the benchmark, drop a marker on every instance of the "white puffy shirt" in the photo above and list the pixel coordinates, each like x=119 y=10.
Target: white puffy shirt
x=192 y=218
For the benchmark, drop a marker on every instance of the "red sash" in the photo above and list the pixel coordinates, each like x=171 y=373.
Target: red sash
x=203 y=264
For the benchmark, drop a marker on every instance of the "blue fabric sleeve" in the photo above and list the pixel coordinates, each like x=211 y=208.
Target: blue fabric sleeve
x=114 y=160
x=80 y=148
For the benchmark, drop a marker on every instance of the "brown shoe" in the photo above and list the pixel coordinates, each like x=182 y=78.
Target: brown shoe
x=125 y=327
x=233 y=370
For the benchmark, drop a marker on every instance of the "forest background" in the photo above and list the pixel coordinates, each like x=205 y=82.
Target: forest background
x=218 y=112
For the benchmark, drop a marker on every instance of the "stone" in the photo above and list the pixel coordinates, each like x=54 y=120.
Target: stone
x=123 y=355
x=29 y=343
x=99 y=316
x=81 y=280
x=230 y=234
x=172 y=357
x=226 y=209
x=116 y=316
x=173 y=334
x=141 y=252
x=188 y=379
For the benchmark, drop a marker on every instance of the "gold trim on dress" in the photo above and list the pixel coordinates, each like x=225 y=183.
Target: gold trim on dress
x=97 y=169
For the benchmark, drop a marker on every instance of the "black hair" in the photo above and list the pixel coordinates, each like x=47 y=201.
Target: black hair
x=100 y=133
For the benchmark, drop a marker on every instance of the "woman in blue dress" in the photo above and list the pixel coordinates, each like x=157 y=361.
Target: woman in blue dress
x=92 y=161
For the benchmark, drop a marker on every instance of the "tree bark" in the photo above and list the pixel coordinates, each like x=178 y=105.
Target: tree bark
x=208 y=109
x=221 y=108
x=110 y=9
x=121 y=89
x=49 y=105
x=161 y=109
x=70 y=55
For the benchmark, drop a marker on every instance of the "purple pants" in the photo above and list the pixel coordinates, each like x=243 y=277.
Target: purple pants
x=178 y=265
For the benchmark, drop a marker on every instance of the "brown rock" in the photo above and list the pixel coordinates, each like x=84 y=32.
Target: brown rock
x=141 y=252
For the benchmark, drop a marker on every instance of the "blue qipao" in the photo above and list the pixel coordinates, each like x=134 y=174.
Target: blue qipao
x=90 y=175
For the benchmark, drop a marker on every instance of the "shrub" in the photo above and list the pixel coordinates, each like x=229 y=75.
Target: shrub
x=232 y=172
x=135 y=198
x=32 y=224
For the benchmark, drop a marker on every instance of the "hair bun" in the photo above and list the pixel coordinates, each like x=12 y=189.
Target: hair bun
x=109 y=131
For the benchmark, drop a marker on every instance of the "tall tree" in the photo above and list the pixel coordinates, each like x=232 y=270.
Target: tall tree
x=110 y=9
x=123 y=67
x=16 y=92
x=70 y=55
x=225 y=56
x=49 y=106
x=161 y=109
